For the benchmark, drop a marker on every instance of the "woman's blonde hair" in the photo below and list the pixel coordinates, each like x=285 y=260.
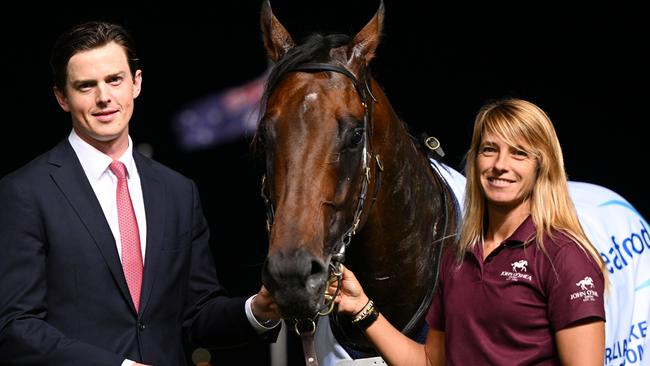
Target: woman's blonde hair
x=522 y=124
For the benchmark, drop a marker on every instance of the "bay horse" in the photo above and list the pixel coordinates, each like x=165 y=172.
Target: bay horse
x=345 y=181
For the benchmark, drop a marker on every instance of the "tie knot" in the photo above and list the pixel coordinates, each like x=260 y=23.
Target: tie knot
x=118 y=168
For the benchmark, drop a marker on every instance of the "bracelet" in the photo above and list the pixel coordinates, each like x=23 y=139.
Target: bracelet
x=366 y=316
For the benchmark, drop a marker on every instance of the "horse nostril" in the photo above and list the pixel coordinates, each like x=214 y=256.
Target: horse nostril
x=294 y=272
x=317 y=268
x=316 y=276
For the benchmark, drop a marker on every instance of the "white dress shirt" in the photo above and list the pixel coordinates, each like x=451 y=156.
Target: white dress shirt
x=95 y=164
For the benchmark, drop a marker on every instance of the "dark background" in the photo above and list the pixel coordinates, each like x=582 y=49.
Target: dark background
x=586 y=66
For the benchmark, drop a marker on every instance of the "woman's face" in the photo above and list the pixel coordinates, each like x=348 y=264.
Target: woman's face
x=507 y=174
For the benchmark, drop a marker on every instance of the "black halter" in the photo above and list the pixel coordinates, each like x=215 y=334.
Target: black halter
x=337 y=255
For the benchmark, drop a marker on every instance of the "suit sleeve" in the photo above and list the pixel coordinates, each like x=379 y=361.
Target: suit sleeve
x=213 y=318
x=26 y=338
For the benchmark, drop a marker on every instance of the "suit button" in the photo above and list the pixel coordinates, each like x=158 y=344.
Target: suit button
x=141 y=326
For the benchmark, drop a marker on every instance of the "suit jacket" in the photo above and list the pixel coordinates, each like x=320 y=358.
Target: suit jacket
x=63 y=296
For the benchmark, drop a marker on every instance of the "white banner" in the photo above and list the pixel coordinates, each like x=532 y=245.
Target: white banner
x=621 y=236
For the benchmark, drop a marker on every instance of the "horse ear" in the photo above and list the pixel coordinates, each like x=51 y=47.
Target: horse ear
x=366 y=41
x=277 y=40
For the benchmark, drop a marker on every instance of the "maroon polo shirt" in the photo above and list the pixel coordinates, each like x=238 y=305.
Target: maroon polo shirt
x=505 y=310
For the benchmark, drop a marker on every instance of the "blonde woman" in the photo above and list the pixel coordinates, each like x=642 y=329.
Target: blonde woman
x=524 y=286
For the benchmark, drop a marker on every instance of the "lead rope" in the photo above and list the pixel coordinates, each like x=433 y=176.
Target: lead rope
x=307 y=339
x=308 y=349
x=307 y=336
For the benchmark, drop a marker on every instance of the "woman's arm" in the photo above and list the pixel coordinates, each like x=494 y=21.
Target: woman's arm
x=582 y=343
x=395 y=348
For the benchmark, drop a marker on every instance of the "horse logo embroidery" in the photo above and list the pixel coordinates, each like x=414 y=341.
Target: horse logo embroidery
x=520 y=265
x=585 y=282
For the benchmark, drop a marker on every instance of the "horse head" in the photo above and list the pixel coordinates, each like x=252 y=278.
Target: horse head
x=314 y=131
x=344 y=180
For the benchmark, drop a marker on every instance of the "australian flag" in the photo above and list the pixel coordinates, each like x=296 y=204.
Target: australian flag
x=220 y=117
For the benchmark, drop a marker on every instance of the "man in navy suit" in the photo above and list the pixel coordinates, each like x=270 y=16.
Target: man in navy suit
x=64 y=295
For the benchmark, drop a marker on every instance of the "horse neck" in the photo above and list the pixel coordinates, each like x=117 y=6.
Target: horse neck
x=394 y=254
x=409 y=188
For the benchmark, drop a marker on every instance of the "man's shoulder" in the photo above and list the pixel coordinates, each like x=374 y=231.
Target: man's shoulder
x=33 y=169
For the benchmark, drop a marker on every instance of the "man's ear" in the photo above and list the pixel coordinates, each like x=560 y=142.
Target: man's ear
x=137 y=83
x=61 y=99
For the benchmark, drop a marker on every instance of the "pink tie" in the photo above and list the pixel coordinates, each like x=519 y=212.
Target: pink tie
x=129 y=234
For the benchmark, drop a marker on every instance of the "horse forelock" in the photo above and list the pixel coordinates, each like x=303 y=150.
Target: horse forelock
x=315 y=48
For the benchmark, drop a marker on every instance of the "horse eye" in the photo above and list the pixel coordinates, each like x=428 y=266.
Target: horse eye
x=357 y=136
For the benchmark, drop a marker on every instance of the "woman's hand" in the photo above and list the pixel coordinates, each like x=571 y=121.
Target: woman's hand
x=351 y=299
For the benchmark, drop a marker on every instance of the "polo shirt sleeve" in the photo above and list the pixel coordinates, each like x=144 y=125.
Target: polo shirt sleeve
x=575 y=287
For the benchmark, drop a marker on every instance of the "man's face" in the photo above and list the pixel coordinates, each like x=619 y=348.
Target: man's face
x=99 y=94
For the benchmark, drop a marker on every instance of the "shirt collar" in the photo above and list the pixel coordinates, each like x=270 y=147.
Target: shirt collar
x=520 y=237
x=523 y=234
x=94 y=162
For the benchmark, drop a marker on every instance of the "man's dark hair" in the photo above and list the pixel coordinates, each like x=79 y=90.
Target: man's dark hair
x=84 y=37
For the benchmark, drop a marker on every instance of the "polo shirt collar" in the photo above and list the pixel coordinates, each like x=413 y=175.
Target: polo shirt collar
x=522 y=234
x=520 y=237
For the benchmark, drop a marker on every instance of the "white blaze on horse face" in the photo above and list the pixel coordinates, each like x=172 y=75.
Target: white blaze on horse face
x=309 y=99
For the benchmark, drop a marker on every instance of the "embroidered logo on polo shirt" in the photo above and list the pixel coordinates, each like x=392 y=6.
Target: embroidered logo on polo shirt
x=585 y=282
x=586 y=294
x=517 y=268
x=520 y=265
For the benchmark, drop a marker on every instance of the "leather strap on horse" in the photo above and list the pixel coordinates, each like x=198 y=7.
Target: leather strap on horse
x=434 y=146
x=424 y=305
x=321 y=66
x=307 y=339
x=308 y=349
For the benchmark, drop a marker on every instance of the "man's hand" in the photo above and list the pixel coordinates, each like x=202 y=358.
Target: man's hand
x=263 y=306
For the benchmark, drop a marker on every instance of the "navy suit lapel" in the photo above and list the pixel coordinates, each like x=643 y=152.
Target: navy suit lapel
x=72 y=181
x=153 y=191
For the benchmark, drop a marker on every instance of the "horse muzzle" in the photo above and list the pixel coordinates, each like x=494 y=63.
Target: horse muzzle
x=297 y=282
